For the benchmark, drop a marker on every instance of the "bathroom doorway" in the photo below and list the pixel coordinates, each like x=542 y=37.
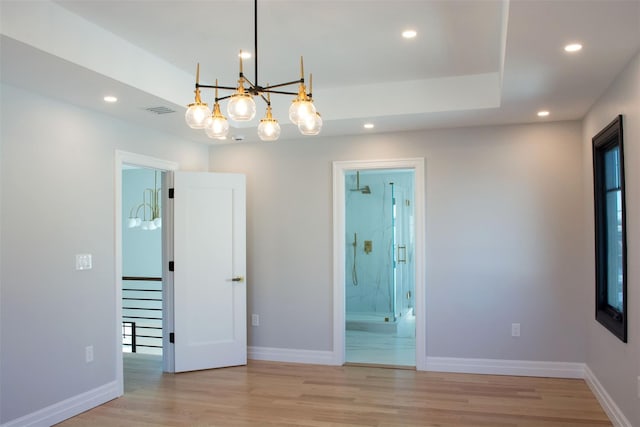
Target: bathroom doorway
x=379 y=287
x=378 y=273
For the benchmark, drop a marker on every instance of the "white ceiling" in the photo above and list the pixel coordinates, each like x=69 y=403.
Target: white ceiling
x=473 y=62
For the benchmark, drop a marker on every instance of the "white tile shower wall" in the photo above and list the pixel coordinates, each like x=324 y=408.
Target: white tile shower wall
x=369 y=289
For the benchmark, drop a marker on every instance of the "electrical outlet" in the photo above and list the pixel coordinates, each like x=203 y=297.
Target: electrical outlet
x=515 y=329
x=88 y=354
x=255 y=320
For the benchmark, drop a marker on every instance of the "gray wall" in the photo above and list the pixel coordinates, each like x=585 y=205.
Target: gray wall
x=58 y=191
x=616 y=364
x=505 y=237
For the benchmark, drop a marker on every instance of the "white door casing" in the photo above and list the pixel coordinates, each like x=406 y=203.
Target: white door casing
x=340 y=168
x=209 y=299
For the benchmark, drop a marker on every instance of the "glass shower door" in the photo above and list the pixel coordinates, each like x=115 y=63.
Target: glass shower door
x=403 y=211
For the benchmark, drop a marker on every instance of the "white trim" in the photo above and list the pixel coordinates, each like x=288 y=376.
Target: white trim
x=339 y=170
x=122 y=158
x=67 y=408
x=338 y=263
x=143 y=161
x=610 y=408
x=291 y=355
x=506 y=367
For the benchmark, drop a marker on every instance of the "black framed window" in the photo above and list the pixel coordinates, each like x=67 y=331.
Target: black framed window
x=611 y=248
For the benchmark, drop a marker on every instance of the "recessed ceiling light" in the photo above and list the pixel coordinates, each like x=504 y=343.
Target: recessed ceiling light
x=409 y=34
x=368 y=126
x=110 y=98
x=573 y=47
x=245 y=55
x=543 y=113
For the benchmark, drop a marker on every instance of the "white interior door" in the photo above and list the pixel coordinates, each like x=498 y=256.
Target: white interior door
x=210 y=261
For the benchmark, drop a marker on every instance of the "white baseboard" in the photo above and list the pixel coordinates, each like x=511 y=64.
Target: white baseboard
x=292 y=355
x=505 y=367
x=67 y=408
x=613 y=412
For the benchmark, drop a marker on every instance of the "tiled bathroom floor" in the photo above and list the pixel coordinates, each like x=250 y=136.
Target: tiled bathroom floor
x=380 y=348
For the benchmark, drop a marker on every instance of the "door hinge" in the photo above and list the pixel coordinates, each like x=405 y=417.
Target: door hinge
x=172 y=338
x=171 y=266
x=171 y=193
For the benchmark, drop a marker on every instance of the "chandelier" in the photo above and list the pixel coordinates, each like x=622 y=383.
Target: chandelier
x=242 y=108
x=150 y=205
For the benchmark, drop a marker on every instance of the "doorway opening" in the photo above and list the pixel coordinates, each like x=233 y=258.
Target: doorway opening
x=142 y=252
x=380 y=278
x=142 y=282
x=379 y=268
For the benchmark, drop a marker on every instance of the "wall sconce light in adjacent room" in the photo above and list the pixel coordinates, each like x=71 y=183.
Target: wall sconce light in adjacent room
x=150 y=205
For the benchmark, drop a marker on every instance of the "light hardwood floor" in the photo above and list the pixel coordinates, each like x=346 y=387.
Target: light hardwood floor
x=270 y=394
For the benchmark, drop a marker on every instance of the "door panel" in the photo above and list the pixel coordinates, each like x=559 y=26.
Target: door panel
x=209 y=251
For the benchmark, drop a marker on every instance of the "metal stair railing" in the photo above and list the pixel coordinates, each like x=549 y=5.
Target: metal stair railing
x=141 y=312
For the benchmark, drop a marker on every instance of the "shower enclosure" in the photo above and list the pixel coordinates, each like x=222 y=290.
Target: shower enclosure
x=379 y=243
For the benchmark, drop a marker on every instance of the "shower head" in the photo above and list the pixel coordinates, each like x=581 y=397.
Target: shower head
x=363 y=190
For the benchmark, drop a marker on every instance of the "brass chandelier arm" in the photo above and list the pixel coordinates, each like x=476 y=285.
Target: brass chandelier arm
x=249 y=82
x=258 y=90
x=265 y=99
x=222 y=98
x=295 y=82
x=279 y=92
x=216 y=87
x=252 y=86
x=260 y=94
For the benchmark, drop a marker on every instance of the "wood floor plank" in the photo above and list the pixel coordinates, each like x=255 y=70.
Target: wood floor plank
x=285 y=394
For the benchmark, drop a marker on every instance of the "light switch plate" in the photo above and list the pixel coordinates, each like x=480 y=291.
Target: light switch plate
x=83 y=262
x=515 y=329
x=88 y=354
